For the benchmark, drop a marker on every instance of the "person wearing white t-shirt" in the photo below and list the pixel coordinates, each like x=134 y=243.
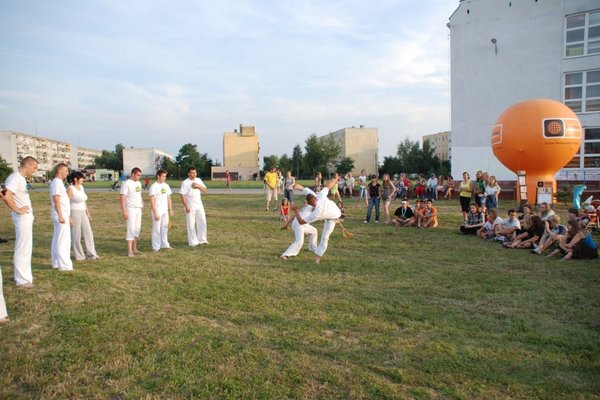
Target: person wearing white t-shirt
x=60 y=254
x=190 y=193
x=17 y=199
x=160 y=202
x=80 y=219
x=324 y=209
x=362 y=193
x=131 y=208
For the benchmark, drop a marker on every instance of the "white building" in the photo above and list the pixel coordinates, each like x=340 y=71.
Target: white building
x=148 y=160
x=504 y=52
x=81 y=157
x=14 y=146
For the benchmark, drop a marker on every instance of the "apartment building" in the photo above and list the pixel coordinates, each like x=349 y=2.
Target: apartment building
x=440 y=143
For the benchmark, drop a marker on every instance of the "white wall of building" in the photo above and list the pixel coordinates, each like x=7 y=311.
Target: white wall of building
x=147 y=159
x=526 y=62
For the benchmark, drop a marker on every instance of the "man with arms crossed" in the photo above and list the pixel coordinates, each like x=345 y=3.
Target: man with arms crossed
x=131 y=207
x=18 y=201
x=60 y=254
x=160 y=203
x=195 y=217
x=324 y=209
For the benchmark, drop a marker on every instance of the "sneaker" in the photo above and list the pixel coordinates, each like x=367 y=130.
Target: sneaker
x=500 y=238
x=275 y=209
x=537 y=250
x=376 y=221
x=365 y=221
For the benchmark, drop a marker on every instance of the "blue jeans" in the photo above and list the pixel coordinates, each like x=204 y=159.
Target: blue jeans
x=289 y=194
x=373 y=202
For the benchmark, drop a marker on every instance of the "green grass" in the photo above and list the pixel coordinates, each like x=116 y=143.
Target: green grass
x=390 y=313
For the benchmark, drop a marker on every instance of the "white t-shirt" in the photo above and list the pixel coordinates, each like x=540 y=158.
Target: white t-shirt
x=57 y=188
x=133 y=193
x=17 y=184
x=362 y=180
x=490 y=226
x=511 y=224
x=324 y=209
x=161 y=192
x=193 y=196
x=78 y=199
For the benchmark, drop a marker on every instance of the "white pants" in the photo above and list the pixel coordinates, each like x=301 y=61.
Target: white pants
x=196 y=226
x=160 y=231
x=134 y=223
x=299 y=231
x=3 y=313
x=81 y=225
x=23 y=247
x=60 y=254
x=328 y=226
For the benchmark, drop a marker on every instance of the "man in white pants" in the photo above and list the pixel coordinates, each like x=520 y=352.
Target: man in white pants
x=17 y=199
x=324 y=209
x=131 y=208
x=299 y=231
x=160 y=203
x=194 y=209
x=3 y=314
x=60 y=254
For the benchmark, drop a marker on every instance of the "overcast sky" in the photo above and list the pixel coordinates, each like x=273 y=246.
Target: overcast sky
x=164 y=73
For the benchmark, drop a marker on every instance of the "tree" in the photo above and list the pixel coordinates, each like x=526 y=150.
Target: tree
x=5 y=170
x=111 y=159
x=331 y=150
x=189 y=156
x=285 y=163
x=344 y=165
x=270 y=161
x=391 y=165
x=171 y=167
x=297 y=160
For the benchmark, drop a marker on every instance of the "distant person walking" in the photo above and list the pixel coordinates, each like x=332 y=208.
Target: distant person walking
x=131 y=208
x=228 y=181
x=160 y=203
x=191 y=197
x=17 y=199
x=80 y=219
x=60 y=254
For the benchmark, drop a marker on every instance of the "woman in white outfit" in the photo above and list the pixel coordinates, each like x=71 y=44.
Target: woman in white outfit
x=80 y=219
x=61 y=215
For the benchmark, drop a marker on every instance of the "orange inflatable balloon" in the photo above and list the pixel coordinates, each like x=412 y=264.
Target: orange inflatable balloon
x=536 y=136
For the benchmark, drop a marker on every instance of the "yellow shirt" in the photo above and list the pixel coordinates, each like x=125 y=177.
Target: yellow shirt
x=271 y=178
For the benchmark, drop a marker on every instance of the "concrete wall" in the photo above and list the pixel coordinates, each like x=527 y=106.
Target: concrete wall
x=241 y=150
x=362 y=145
x=148 y=160
x=527 y=65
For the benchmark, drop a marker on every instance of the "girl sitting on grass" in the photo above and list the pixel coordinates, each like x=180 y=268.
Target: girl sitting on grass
x=576 y=244
x=527 y=239
x=284 y=213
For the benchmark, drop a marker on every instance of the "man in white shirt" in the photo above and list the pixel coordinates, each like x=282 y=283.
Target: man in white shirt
x=190 y=193
x=60 y=254
x=17 y=199
x=160 y=202
x=324 y=209
x=131 y=207
x=299 y=231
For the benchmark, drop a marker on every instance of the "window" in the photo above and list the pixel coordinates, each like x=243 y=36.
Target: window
x=582 y=35
x=588 y=155
x=582 y=91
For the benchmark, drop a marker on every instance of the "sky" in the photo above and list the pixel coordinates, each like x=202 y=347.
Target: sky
x=161 y=74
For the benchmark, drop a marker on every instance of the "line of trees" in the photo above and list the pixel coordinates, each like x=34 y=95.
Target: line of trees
x=187 y=156
x=320 y=154
x=412 y=158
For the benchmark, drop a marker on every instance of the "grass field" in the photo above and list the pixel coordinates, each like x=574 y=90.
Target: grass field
x=387 y=314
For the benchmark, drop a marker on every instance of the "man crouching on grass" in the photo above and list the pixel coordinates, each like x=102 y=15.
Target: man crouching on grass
x=324 y=209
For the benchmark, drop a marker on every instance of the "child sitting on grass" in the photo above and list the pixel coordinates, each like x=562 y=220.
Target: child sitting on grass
x=284 y=213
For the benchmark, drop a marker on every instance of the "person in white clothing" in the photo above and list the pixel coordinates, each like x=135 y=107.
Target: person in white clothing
x=17 y=199
x=299 y=232
x=80 y=219
x=160 y=202
x=131 y=208
x=324 y=209
x=60 y=254
x=3 y=314
x=190 y=193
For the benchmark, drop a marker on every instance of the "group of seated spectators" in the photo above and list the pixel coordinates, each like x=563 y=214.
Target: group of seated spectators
x=424 y=215
x=540 y=233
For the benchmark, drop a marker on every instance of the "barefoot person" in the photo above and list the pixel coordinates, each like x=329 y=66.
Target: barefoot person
x=160 y=202
x=131 y=207
x=17 y=199
x=299 y=232
x=195 y=217
x=60 y=254
x=324 y=209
